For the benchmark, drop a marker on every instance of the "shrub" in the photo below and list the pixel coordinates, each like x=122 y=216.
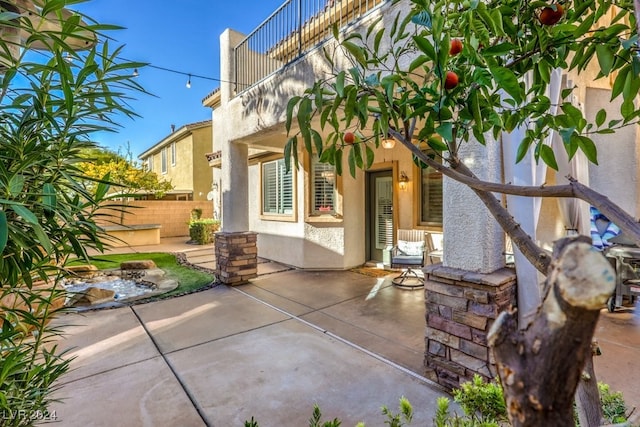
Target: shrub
x=614 y=409
x=50 y=110
x=402 y=418
x=483 y=405
x=201 y=230
x=481 y=399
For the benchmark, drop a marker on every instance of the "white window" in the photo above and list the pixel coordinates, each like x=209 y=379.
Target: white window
x=323 y=188
x=277 y=189
x=163 y=160
x=173 y=154
x=430 y=197
x=149 y=163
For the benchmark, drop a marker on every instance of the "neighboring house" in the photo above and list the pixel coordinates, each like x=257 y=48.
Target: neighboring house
x=180 y=159
x=311 y=218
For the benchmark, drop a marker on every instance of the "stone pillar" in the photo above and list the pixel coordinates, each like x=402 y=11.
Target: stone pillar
x=235 y=248
x=473 y=240
x=236 y=257
x=461 y=306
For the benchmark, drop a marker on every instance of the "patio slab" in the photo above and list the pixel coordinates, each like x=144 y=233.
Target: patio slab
x=619 y=340
x=278 y=372
x=141 y=394
x=274 y=299
x=271 y=267
x=317 y=289
x=103 y=340
x=194 y=319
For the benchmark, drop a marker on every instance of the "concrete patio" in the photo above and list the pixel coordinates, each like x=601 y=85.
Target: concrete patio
x=272 y=349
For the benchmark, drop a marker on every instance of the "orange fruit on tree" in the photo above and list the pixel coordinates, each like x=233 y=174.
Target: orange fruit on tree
x=450 y=80
x=456 y=47
x=349 y=137
x=551 y=15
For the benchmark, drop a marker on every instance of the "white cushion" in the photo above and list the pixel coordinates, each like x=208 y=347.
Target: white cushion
x=410 y=248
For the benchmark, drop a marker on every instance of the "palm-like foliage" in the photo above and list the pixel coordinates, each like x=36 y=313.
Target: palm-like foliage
x=53 y=97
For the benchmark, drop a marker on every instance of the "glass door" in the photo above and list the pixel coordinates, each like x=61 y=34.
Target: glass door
x=380 y=226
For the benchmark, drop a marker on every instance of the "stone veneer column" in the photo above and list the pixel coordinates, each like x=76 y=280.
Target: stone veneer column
x=461 y=306
x=236 y=257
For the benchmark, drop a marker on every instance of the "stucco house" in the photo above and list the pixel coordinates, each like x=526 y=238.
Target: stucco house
x=180 y=159
x=313 y=219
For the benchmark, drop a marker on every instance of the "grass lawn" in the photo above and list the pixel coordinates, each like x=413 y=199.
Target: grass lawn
x=189 y=280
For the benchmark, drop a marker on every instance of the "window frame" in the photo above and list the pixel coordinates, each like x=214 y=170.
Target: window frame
x=314 y=165
x=174 y=155
x=432 y=225
x=274 y=216
x=321 y=217
x=163 y=161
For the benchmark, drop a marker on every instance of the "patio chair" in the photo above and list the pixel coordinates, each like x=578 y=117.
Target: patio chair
x=409 y=253
x=433 y=255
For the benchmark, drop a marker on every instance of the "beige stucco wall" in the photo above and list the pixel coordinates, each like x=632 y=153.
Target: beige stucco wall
x=172 y=216
x=202 y=177
x=191 y=172
x=256 y=118
x=180 y=174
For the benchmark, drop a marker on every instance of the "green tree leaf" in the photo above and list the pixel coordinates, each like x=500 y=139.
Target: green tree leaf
x=601 y=117
x=588 y=147
x=507 y=80
x=606 y=57
x=548 y=156
x=4 y=230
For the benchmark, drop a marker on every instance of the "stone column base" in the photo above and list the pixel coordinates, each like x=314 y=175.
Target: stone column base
x=236 y=257
x=461 y=306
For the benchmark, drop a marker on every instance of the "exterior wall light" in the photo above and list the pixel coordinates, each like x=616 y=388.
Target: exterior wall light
x=403 y=180
x=388 y=143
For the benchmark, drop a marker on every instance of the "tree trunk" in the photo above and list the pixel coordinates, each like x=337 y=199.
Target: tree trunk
x=588 y=396
x=540 y=366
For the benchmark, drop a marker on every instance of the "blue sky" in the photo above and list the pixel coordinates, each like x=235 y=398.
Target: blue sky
x=180 y=35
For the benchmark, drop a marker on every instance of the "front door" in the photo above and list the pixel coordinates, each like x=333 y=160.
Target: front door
x=379 y=225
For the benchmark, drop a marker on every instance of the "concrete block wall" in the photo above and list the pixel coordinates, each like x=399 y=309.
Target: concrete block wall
x=461 y=306
x=172 y=216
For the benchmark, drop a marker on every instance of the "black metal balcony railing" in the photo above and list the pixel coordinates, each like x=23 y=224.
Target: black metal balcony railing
x=292 y=30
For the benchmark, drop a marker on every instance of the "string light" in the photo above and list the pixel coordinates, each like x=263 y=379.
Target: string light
x=69 y=58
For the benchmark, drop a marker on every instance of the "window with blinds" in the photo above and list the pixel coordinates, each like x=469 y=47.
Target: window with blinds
x=277 y=188
x=431 y=197
x=383 y=213
x=323 y=187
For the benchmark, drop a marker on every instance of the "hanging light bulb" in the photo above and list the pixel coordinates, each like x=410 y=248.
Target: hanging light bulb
x=135 y=73
x=189 y=82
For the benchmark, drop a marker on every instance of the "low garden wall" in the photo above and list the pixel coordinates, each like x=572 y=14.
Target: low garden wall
x=172 y=216
x=133 y=235
x=461 y=306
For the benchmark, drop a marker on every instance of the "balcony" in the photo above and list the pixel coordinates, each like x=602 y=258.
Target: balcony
x=295 y=28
